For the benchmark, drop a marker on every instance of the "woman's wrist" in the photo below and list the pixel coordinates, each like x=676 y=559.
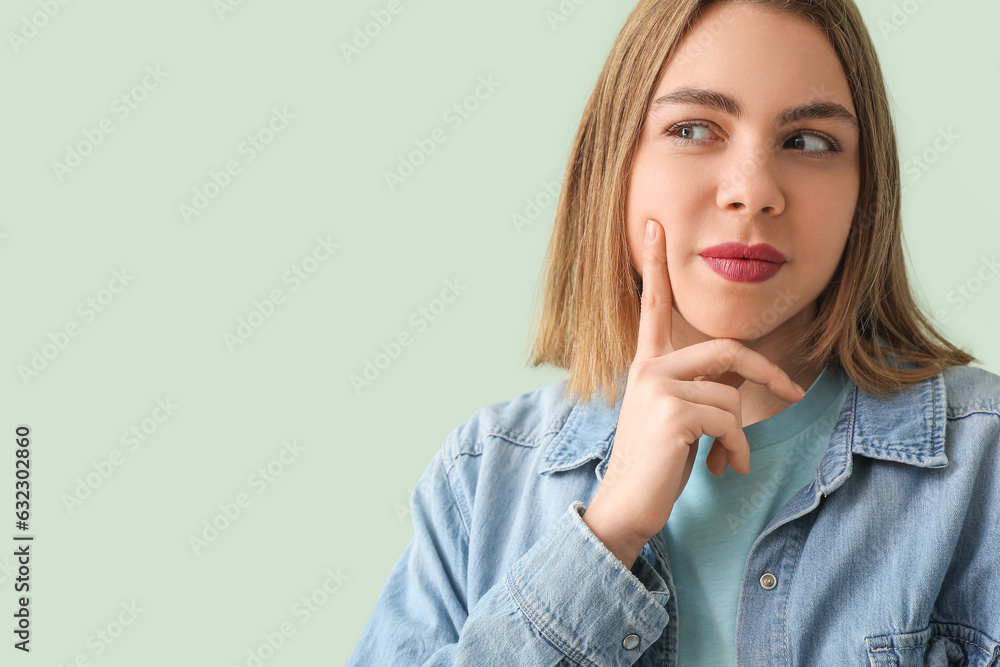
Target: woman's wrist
x=608 y=530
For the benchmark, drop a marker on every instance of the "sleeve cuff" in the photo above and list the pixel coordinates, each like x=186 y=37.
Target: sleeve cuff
x=583 y=599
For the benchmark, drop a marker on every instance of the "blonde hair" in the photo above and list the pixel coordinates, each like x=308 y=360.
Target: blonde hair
x=867 y=319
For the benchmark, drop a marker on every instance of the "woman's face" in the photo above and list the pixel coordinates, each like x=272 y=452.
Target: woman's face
x=744 y=170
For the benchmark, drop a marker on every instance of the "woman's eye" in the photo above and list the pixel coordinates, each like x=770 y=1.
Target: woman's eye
x=691 y=132
x=697 y=133
x=810 y=143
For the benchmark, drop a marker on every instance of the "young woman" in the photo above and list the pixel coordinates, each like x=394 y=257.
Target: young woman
x=728 y=233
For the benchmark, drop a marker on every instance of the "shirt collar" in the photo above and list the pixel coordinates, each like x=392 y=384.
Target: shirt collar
x=907 y=426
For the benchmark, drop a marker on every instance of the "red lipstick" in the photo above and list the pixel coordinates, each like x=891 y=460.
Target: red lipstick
x=744 y=264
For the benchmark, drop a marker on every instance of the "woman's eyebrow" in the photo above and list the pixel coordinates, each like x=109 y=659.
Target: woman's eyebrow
x=728 y=105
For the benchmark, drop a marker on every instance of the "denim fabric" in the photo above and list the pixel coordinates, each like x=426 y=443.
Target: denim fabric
x=889 y=556
x=717 y=519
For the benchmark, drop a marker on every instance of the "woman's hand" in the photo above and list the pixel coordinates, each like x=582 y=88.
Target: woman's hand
x=665 y=411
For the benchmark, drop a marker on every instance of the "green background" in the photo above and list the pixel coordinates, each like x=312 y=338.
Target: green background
x=340 y=505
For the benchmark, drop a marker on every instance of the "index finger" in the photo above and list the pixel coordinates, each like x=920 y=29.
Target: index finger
x=730 y=355
x=656 y=305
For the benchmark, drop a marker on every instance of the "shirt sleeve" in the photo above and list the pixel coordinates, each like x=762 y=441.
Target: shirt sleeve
x=566 y=601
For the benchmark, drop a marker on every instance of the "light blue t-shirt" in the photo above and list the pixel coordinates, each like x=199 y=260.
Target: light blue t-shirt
x=717 y=519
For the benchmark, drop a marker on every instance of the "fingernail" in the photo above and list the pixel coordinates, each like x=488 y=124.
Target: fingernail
x=650 y=231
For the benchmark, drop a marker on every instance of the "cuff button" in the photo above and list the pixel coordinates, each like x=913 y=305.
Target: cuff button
x=630 y=642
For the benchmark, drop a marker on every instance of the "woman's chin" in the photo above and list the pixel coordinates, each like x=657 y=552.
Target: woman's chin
x=747 y=329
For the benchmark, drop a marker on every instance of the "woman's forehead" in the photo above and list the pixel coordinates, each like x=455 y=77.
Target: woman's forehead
x=755 y=60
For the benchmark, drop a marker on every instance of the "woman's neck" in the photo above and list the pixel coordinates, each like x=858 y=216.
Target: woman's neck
x=759 y=403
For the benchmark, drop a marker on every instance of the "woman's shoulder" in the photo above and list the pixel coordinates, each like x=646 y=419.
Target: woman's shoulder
x=501 y=454
x=953 y=393
x=972 y=417
x=506 y=452
x=971 y=389
x=525 y=420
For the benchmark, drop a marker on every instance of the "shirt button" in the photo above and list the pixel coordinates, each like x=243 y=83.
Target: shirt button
x=631 y=642
x=768 y=581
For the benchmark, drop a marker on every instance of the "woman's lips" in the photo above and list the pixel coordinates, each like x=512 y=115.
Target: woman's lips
x=742 y=263
x=742 y=270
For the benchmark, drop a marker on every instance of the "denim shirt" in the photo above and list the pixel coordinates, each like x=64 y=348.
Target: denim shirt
x=890 y=556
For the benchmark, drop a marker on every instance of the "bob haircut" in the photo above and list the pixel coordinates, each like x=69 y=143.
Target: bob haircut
x=867 y=319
